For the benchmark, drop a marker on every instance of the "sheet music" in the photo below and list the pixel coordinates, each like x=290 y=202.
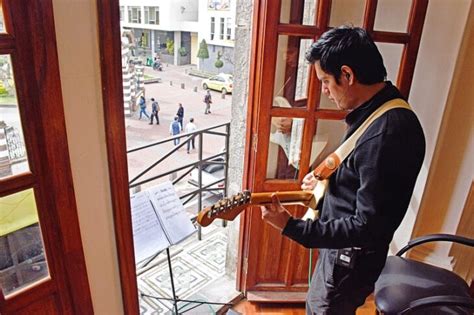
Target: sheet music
x=148 y=235
x=171 y=213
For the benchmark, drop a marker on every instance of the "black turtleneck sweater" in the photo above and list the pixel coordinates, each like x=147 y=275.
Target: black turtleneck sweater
x=369 y=193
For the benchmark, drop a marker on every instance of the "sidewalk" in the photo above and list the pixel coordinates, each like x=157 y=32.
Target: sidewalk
x=140 y=132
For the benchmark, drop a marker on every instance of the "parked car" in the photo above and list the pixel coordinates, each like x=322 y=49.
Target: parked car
x=210 y=174
x=221 y=82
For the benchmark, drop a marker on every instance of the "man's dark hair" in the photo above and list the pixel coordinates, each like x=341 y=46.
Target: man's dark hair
x=350 y=46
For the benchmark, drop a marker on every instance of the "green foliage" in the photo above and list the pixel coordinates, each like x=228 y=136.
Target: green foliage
x=219 y=63
x=3 y=91
x=169 y=46
x=203 y=52
x=182 y=51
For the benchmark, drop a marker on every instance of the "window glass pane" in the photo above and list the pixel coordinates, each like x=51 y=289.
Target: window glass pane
x=325 y=103
x=392 y=15
x=147 y=15
x=293 y=13
x=392 y=56
x=134 y=15
x=229 y=28
x=347 y=12
x=328 y=137
x=145 y=43
x=284 y=151
x=13 y=157
x=221 y=36
x=213 y=27
x=2 y=20
x=302 y=77
x=291 y=71
x=22 y=256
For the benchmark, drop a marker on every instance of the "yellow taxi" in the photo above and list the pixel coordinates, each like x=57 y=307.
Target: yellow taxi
x=221 y=82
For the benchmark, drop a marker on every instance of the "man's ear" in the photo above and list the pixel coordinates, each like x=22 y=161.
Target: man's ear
x=347 y=73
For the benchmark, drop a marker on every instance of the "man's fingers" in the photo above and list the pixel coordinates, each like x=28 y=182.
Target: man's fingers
x=309 y=182
x=308 y=185
x=276 y=201
x=267 y=212
x=309 y=177
x=276 y=204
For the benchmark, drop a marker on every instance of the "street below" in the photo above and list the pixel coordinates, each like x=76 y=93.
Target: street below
x=175 y=87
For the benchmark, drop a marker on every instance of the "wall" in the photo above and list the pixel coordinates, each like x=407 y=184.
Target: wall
x=204 y=29
x=438 y=54
x=79 y=66
x=243 y=33
x=227 y=57
x=439 y=48
x=76 y=31
x=172 y=17
x=451 y=174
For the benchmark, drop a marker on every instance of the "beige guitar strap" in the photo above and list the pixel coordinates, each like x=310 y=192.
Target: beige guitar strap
x=332 y=162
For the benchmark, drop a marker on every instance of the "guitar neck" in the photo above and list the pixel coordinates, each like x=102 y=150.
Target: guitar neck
x=285 y=197
x=229 y=208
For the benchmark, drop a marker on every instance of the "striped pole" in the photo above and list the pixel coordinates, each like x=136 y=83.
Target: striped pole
x=5 y=165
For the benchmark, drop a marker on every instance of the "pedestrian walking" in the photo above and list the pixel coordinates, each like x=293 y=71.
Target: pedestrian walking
x=208 y=102
x=180 y=114
x=142 y=104
x=175 y=129
x=190 y=127
x=155 y=109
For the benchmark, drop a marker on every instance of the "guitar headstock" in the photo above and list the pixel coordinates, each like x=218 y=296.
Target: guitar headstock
x=227 y=208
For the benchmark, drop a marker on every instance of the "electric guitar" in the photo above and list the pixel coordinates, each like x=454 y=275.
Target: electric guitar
x=229 y=208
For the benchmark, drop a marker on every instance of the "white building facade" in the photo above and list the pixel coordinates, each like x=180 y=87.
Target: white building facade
x=217 y=28
x=174 y=29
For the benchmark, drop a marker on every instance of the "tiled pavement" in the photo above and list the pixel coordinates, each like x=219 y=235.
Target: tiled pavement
x=195 y=265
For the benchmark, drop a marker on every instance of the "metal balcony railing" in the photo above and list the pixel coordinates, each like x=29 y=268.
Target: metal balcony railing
x=180 y=173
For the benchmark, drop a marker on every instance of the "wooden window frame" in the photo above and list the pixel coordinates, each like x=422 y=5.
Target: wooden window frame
x=37 y=79
x=110 y=47
x=267 y=27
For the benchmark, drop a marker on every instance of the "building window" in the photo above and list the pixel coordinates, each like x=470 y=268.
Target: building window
x=229 y=28
x=121 y=13
x=134 y=15
x=221 y=33
x=213 y=27
x=152 y=15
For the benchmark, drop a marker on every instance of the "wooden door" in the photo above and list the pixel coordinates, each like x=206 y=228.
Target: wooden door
x=284 y=89
x=42 y=267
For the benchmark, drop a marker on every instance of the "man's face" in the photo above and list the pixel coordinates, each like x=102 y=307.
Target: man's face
x=337 y=93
